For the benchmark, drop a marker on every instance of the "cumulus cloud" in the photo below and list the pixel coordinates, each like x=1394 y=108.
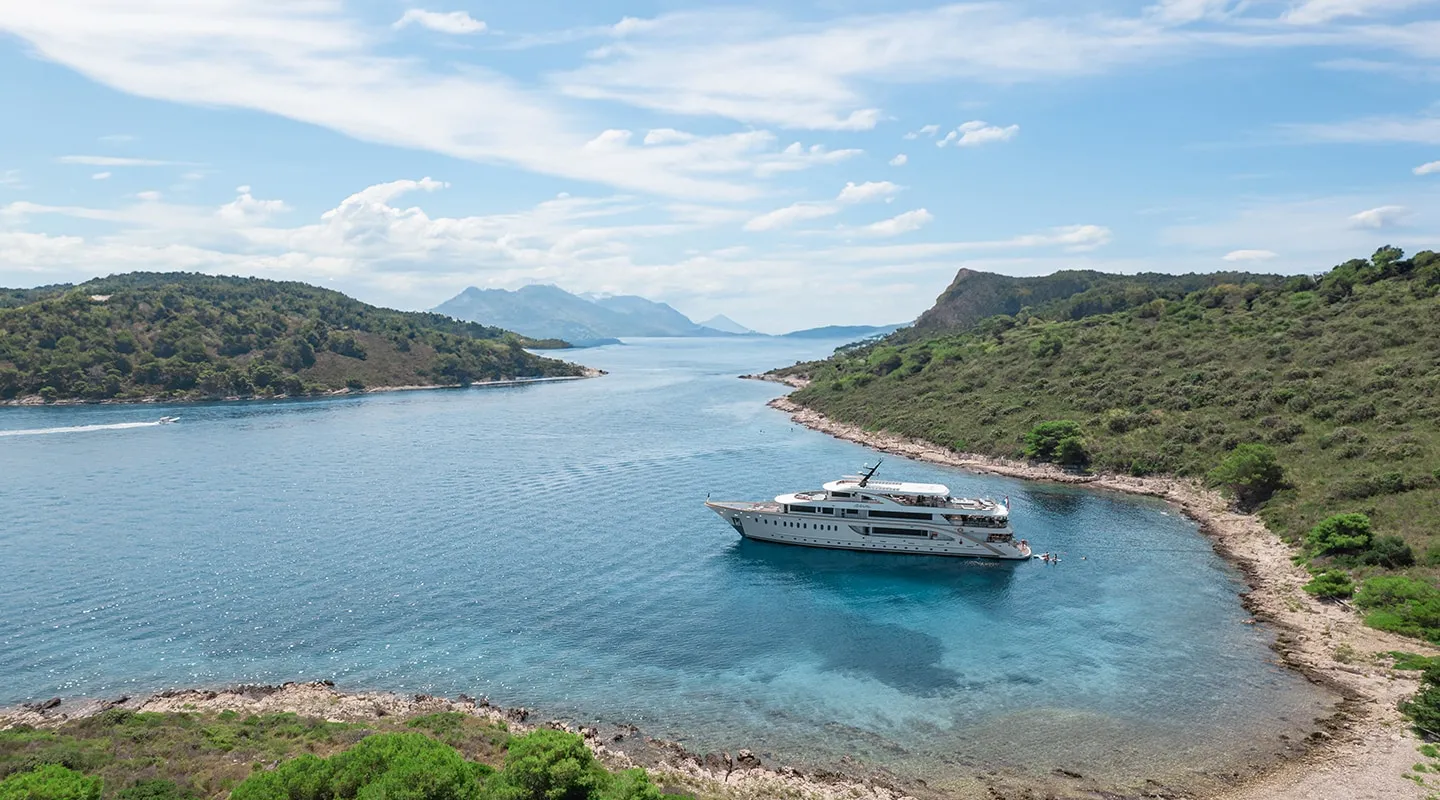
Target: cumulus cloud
x=1249 y=255
x=149 y=197
x=246 y=210
x=455 y=22
x=100 y=176
x=898 y=224
x=865 y=192
x=899 y=160
x=1431 y=168
x=977 y=132
x=925 y=130
x=612 y=139
x=1380 y=217
x=789 y=215
x=667 y=136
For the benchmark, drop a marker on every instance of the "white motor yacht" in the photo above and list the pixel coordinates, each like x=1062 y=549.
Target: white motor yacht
x=858 y=512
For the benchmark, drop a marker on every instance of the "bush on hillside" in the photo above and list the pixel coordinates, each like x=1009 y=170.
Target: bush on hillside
x=395 y=766
x=549 y=765
x=1390 y=552
x=1059 y=441
x=1334 y=583
x=1251 y=474
x=50 y=782
x=1402 y=605
x=1424 y=708
x=1341 y=533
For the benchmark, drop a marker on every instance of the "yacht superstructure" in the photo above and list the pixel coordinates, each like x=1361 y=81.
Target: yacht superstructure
x=860 y=513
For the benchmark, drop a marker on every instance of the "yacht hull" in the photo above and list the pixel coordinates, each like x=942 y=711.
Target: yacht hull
x=768 y=522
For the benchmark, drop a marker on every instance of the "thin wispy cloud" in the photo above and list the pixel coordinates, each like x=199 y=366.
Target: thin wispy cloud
x=116 y=161
x=1250 y=255
x=1380 y=217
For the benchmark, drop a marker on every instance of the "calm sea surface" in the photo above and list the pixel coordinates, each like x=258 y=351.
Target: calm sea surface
x=546 y=546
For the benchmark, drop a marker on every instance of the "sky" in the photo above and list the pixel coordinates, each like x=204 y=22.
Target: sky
x=788 y=164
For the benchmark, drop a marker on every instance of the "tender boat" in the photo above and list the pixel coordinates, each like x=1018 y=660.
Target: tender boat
x=860 y=513
x=168 y=420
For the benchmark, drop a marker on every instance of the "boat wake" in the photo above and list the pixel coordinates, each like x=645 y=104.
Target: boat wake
x=118 y=426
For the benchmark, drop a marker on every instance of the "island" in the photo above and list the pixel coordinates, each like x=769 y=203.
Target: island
x=187 y=336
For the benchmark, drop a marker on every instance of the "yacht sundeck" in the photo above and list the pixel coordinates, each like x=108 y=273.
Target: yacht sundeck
x=860 y=513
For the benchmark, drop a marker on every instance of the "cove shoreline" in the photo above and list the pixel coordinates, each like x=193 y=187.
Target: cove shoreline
x=35 y=401
x=1365 y=748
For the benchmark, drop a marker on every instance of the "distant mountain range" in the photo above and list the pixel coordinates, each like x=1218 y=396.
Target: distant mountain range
x=845 y=331
x=549 y=312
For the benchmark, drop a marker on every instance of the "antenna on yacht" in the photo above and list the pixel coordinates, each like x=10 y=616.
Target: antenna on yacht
x=870 y=474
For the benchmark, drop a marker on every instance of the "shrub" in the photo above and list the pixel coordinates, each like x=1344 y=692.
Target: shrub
x=156 y=790
x=1331 y=583
x=394 y=766
x=1424 y=708
x=1342 y=533
x=631 y=784
x=1043 y=441
x=548 y=765
x=1401 y=605
x=1390 y=552
x=50 y=782
x=1250 y=473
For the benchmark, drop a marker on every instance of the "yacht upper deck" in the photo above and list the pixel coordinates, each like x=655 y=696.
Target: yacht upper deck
x=852 y=483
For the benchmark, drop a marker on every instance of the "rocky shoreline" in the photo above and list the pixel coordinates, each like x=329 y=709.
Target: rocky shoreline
x=741 y=776
x=36 y=400
x=1365 y=749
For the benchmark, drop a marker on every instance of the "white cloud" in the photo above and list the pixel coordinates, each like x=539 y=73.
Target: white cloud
x=100 y=176
x=925 y=130
x=1315 y=12
x=789 y=215
x=1186 y=11
x=797 y=157
x=456 y=22
x=865 y=192
x=149 y=197
x=1424 y=129
x=898 y=224
x=312 y=62
x=609 y=140
x=1249 y=255
x=1074 y=238
x=116 y=138
x=1379 y=217
x=899 y=160
x=116 y=161
x=977 y=132
x=246 y=210
x=667 y=136
x=10 y=178
x=1430 y=168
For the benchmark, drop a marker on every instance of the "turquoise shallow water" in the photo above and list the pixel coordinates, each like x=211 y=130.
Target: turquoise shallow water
x=546 y=546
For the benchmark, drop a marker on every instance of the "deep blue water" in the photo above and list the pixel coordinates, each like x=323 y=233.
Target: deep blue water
x=546 y=546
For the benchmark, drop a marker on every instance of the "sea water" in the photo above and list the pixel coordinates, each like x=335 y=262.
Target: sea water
x=547 y=546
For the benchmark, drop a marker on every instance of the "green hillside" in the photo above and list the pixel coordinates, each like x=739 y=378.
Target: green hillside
x=191 y=336
x=1069 y=294
x=1338 y=376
